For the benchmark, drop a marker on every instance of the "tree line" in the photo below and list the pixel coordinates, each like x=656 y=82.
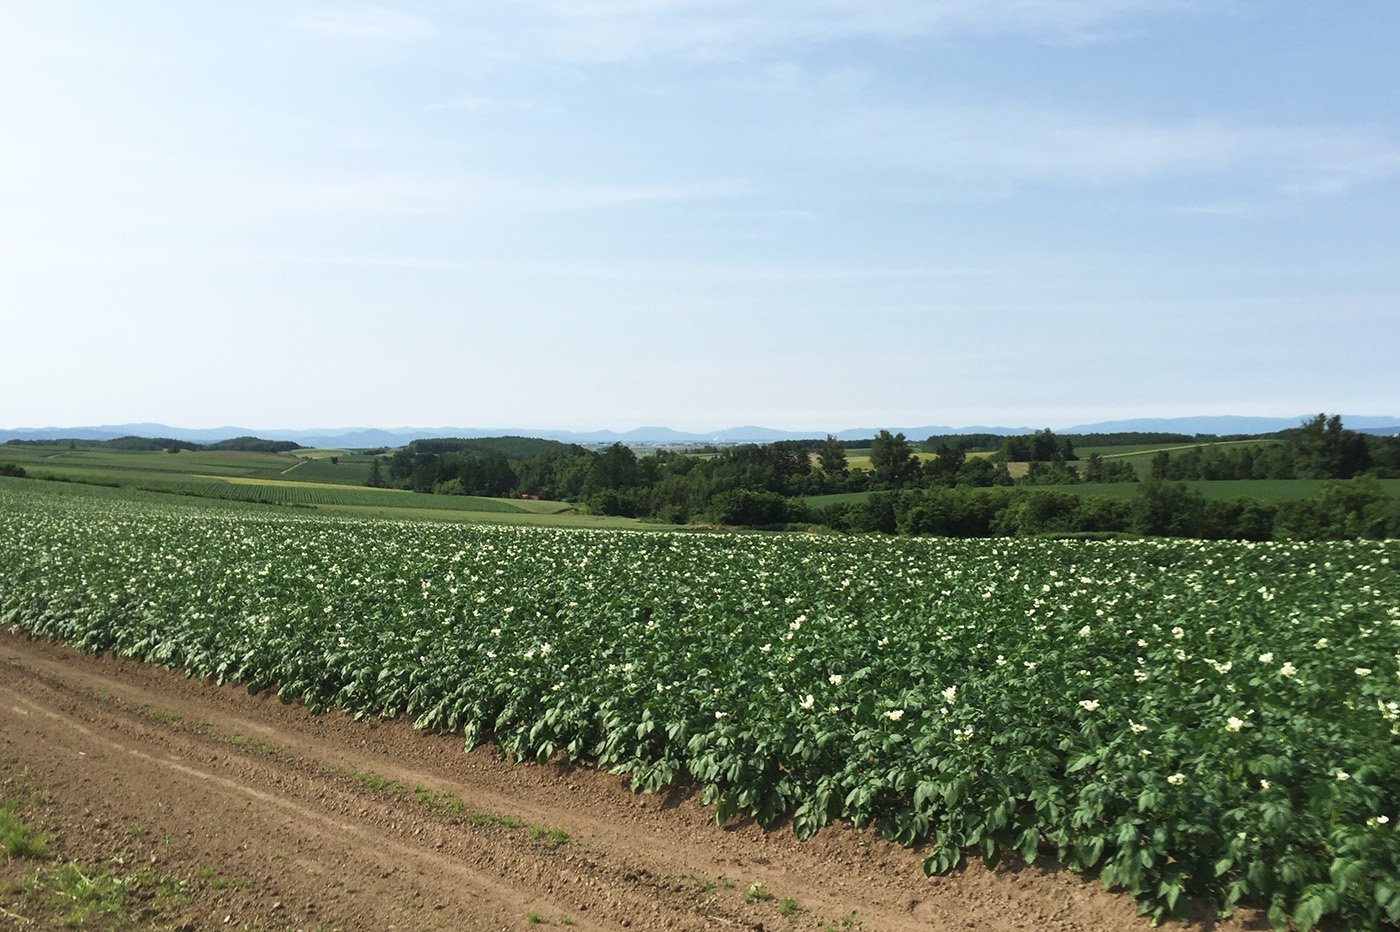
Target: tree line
x=168 y=444
x=1320 y=449
x=952 y=493
x=1340 y=509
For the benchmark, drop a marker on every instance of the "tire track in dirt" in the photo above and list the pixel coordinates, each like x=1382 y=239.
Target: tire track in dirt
x=310 y=821
x=246 y=787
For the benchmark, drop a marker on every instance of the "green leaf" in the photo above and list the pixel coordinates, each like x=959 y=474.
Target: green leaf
x=1081 y=763
x=1308 y=911
x=991 y=854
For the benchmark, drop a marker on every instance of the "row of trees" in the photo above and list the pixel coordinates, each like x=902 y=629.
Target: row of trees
x=1338 y=510
x=133 y=443
x=1320 y=449
x=446 y=474
x=766 y=485
x=679 y=487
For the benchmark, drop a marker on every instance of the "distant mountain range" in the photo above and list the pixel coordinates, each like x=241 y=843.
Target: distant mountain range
x=360 y=438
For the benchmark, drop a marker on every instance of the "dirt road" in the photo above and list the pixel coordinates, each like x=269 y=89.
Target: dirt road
x=274 y=819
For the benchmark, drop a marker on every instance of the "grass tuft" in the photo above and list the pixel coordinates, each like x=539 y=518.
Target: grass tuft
x=18 y=839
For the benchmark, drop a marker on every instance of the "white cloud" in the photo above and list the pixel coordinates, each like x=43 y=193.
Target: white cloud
x=1011 y=145
x=1216 y=209
x=483 y=105
x=374 y=23
x=624 y=29
x=413 y=193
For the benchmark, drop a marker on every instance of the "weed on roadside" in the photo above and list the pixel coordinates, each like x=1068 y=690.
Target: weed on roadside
x=756 y=893
x=161 y=715
x=17 y=838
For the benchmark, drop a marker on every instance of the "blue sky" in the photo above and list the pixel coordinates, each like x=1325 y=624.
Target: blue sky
x=697 y=213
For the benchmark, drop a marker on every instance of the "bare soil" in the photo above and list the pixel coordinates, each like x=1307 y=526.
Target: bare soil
x=272 y=818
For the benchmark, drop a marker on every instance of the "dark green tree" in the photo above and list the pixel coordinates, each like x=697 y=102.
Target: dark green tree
x=497 y=478
x=1168 y=509
x=892 y=459
x=1323 y=449
x=833 y=456
x=948 y=461
x=749 y=509
x=615 y=468
x=1044 y=446
x=376 y=475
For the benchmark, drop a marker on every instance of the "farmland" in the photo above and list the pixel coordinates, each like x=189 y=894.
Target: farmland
x=1188 y=720
x=308 y=480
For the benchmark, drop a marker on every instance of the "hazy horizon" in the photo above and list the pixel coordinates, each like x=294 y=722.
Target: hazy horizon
x=1220 y=425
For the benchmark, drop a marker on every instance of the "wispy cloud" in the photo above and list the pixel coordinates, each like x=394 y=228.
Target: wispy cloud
x=412 y=193
x=483 y=105
x=1016 y=144
x=624 y=29
x=1216 y=209
x=372 y=23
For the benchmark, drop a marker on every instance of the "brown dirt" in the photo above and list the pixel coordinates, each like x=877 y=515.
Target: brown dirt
x=257 y=806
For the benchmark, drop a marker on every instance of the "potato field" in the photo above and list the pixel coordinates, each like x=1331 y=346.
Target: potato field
x=1187 y=720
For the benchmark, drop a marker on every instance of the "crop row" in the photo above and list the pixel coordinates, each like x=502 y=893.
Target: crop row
x=1209 y=720
x=310 y=493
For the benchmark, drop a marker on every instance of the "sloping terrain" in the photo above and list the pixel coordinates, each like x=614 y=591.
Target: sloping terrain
x=258 y=815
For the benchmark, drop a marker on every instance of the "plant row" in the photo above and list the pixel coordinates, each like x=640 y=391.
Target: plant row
x=1210 y=720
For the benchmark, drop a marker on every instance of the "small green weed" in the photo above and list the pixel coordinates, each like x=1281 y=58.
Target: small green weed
x=756 y=893
x=17 y=838
x=377 y=782
x=91 y=897
x=555 y=838
x=257 y=744
x=552 y=837
x=161 y=715
x=788 y=907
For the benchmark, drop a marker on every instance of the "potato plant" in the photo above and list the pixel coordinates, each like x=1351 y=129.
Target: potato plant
x=1214 y=721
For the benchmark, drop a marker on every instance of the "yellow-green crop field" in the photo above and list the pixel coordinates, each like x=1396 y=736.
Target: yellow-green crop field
x=279 y=479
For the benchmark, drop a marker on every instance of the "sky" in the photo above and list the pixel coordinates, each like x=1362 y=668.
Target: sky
x=799 y=214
